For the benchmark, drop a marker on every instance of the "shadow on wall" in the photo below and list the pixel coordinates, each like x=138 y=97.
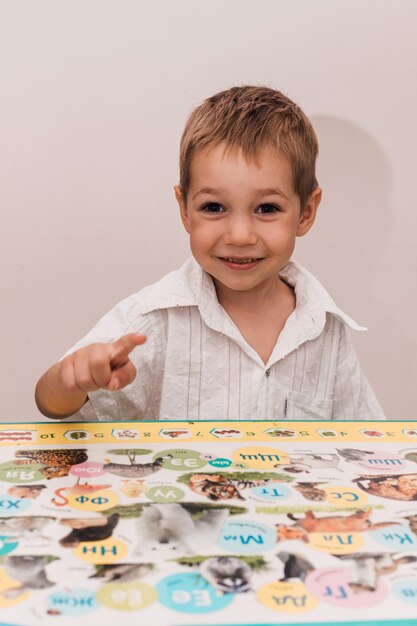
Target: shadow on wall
x=353 y=220
x=354 y=250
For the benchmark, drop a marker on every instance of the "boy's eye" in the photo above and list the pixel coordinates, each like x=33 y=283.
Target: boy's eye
x=265 y=209
x=212 y=207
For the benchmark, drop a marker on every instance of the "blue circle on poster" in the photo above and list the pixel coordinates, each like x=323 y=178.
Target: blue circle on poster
x=73 y=602
x=395 y=537
x=191 y=593
x=406 y=590
x=247 y=537
x=11 y=506
x=7 y=544
x=220 y=462
x=274 y=492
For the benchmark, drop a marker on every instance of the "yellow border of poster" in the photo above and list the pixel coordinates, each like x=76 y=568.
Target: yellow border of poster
x=58 y=433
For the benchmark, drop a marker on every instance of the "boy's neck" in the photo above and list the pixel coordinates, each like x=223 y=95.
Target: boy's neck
x=271 y=293
x=260 y=315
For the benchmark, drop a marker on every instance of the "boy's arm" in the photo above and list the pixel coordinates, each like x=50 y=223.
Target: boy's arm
x=54 y=398
x=64 y=388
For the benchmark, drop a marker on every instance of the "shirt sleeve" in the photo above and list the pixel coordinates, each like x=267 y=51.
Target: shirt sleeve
x=140 y=399
x=353 y=397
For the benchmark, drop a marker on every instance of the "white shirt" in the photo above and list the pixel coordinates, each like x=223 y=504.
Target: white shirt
x=196 y=364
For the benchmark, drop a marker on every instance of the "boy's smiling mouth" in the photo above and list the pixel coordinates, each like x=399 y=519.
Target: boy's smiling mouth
x=240 y=262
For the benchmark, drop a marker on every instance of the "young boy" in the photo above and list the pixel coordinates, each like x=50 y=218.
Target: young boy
x=240 y=331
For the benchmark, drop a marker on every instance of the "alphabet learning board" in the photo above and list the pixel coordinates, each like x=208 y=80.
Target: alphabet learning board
x=186 y=523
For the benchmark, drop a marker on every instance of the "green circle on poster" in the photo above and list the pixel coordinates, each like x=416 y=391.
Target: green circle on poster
x=15 y=472
x=181 y=460
x=164 y=493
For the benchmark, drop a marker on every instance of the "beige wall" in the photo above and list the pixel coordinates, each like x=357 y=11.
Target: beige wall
x=94 y=94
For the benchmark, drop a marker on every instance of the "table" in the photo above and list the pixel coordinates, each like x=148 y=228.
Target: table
x=185 y=523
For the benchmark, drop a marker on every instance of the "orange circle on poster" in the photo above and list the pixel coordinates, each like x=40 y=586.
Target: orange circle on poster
x=258 y=457
x=336 y=543
x=341 y=495
x=10 y=586
x=98 y=501
x=291 y=597
x=102 y=552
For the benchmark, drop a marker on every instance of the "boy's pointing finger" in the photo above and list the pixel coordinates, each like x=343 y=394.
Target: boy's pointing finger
x=122 y=347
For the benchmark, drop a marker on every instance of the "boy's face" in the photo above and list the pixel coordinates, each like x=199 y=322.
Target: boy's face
x=243 y=216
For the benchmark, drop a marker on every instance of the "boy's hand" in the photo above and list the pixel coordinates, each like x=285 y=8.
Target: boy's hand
x=64 y=388
x=101 y=365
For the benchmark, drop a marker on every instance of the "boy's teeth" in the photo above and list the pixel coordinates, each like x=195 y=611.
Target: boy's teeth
x=242 y=261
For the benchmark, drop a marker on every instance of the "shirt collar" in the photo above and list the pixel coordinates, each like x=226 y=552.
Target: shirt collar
x=192 y=286
x=312 y=300
x=308 y=320
x=179 y=288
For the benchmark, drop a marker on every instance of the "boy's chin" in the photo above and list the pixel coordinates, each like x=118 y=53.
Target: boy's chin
x=241 y=286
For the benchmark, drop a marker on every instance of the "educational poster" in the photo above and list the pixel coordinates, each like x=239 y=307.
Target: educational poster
x=181 y=523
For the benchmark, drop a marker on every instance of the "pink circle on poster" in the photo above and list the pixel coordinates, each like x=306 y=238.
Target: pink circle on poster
x=335 y=585
x=383 y=461
x=89 y=469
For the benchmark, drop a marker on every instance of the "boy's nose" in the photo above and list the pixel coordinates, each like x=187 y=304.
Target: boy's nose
x=240 y=232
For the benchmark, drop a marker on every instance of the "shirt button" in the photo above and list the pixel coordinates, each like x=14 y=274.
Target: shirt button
x=267 y=372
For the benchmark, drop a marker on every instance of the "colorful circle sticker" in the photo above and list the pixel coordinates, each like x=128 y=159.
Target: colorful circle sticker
x=406 y=590
x=247 y=537
x=100 y=500
x=164 y=493
x=180 y=460
x=336 y=543
x=12 y=506
x=7 y=544
x=10 y=587
x=131 y=596
x=383 y=461
x=274 y=492
x=341 y=495
x=260 y=457
x=220 y=462
x=71 y=602
x=191 y=593
x=291 y=597
x=88 y=469
x=21 y=472
x=345 y=586
x=395 y=537
x=102 y=552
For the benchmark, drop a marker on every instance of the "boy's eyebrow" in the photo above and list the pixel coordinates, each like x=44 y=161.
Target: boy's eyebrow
x=209 y=190
x=260 y=192
x=271 y=192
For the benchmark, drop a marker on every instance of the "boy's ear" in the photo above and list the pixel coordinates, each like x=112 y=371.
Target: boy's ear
x=309 y=213
x=183 y=208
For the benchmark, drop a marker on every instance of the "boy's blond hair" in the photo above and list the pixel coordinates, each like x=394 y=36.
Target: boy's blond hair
x=251 y=118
